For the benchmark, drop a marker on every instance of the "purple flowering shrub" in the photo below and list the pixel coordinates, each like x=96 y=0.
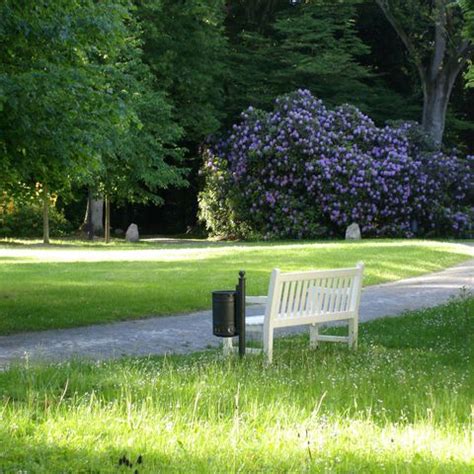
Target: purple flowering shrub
x=303 y=170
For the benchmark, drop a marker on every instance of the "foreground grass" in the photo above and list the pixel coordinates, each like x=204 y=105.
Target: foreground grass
x=401 y=403
x=67 y=286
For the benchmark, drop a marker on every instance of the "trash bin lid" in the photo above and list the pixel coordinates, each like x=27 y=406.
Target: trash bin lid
x=223 y=294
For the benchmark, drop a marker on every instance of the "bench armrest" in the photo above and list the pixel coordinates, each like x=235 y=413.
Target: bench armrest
x=256 y=299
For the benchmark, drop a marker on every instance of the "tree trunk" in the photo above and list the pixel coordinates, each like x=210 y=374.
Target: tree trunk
x=435 y=104
x=93 y=220
x=438 y=71
x=45 y=214
x=107 y=220
x=436 y=94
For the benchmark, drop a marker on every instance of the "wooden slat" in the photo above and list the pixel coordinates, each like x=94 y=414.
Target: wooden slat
x=327 y=298
x=298 y=299
x=256 y=299
x=248 y=350
x=343 y=302
x=332 y=302
x=347 y=294
x=351 y=293
x=332 y=294
x=291 y=296
x=340 y=289
x=319 y=295
x=321 y=318
x=335 y=292
x=284 y=299
x=327 y=338
x=304 y=298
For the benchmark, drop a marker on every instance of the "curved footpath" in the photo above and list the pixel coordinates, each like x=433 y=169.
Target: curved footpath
x=193 y=332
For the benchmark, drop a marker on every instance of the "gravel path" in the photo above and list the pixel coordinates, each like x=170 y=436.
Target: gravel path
x=193 y=332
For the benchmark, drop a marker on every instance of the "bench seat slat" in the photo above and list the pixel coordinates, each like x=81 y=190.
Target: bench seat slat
x=254 y=320
x=304 y=321
x=328 y=338
x=256 y=299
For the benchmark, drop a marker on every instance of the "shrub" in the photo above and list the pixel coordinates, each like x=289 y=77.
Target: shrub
x=25 y=219
x=302 y=170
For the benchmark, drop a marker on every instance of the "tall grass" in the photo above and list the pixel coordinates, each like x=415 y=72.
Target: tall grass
x=401 y=403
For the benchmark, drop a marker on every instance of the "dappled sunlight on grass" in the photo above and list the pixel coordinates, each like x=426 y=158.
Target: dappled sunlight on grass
x=401 y=403
x=137 y=283
x=189 y=251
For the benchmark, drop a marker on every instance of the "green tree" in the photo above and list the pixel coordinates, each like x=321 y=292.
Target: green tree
x=278 y=47
x=185 y=46
x=432 y=32
x=79 y=104
x=57 y=105
x=318 y=47
x=146 y=155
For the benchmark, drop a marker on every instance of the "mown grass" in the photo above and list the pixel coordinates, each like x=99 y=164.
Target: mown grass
x=44 y=288
x=401 y=403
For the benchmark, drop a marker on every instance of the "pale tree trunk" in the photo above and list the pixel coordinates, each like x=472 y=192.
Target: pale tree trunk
x=436 y=94
x=46 y=204
x=94 y=218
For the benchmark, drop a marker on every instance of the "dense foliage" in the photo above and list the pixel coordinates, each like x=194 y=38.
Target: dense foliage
x=57 y=104
x=75 y=97
x=313 y=45
x=23 y=218
x=303 y=170
x=185 y=46
x=144 y=157
x=119 y=96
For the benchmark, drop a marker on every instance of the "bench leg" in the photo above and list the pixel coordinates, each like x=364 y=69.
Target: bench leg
x=353 y=333
x=268 y=343
x=313 y=336
x=227 y=345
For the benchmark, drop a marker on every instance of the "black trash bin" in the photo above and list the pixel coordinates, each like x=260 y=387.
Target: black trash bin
x=224 y=313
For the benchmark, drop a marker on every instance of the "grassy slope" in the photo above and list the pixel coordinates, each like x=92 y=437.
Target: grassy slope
x=37 y=295
x=401 y=403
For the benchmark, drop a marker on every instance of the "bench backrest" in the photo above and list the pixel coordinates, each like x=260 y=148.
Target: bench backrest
x=313 y=296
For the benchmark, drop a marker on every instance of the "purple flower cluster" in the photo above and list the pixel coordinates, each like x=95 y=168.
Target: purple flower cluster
x=302 y=166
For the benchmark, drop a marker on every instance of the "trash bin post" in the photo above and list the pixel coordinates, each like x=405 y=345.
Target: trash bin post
x=241 y=312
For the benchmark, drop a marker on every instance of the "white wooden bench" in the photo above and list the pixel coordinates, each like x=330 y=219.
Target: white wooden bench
x=307 y=298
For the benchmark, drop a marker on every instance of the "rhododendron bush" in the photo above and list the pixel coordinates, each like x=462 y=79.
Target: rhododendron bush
x=303 y=170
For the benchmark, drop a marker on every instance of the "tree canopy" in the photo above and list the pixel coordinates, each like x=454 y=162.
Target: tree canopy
x=120 y=96
x=76 y=99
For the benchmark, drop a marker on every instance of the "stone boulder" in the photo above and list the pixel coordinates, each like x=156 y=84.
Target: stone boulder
x=132 y=233
x=353 y=232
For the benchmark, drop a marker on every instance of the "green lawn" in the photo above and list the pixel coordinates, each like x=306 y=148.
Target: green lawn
x=55 y=287
x=401 y=403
